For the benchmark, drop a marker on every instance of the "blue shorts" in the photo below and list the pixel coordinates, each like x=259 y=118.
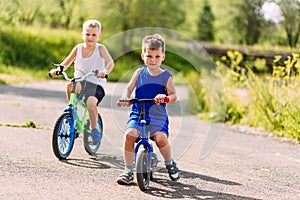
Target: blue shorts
x=154 y=124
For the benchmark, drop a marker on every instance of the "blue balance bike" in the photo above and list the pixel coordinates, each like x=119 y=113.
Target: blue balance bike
x=144 y=157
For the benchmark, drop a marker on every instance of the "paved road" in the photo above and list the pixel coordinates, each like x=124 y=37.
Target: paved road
x=241 y=165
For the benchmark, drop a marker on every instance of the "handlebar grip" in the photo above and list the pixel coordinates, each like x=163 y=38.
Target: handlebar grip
x=119 y=102
x=167 y=99
x=97 y=71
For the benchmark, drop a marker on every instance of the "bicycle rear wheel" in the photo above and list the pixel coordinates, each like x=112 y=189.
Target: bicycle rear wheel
x=63 y=136
x=91 y=149
x=143 y=169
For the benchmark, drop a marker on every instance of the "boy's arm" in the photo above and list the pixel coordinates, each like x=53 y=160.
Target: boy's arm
x=66 y=63
x=130 y=87
x=160 y=98
x=108 y=60
x=131 y=84
x=70 y=58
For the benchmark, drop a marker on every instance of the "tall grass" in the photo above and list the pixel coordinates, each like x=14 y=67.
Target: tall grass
x=269 y=101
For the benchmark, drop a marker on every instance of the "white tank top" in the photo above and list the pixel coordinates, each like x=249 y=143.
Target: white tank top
x=85 y=65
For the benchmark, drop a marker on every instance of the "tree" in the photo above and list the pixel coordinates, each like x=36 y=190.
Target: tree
x=67 y=7
x=205 y=24
x=291 y=13
x=249 y=20
x=144 y=13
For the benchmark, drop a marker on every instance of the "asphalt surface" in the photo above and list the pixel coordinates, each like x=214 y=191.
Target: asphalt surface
x=216 y=161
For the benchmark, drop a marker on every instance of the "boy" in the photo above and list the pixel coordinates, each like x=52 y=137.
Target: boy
x=89 y=56
x=150 y=81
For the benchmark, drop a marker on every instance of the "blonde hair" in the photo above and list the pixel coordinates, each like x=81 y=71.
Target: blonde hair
x=92 y=23
x=155 y=41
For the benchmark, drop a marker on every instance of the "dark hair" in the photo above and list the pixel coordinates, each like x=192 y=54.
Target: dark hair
x=155 y=41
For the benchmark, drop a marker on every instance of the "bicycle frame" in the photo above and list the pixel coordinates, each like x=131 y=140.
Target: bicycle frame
x=71 y=122
x=144 y=137
x=73 y=103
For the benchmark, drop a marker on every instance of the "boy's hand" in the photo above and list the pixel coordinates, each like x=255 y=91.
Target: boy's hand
x=160 y=98
x=53 y=73
x=102 y=75
x=119 y=103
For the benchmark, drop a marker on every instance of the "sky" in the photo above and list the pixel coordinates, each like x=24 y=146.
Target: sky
x=272 y=12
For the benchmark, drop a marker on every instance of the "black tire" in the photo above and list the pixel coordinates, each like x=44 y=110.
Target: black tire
x=63 y=136
x=91 y=149
x=142 y=171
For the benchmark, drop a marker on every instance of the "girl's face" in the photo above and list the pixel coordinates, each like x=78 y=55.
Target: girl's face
x=90 y=36
x=153 y=58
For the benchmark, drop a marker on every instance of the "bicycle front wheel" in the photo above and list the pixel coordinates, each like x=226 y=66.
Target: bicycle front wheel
x=143 y=169
x=63 y=136
x=91 y=149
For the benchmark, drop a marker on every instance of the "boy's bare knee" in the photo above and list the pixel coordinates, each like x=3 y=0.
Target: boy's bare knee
x=131 y=135
x=161 y=139
x=91 y=102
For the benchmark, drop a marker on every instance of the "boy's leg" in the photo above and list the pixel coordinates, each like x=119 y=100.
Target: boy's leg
x=126 y=177
x=162 y=143
x=69 y=89
x=91 y=104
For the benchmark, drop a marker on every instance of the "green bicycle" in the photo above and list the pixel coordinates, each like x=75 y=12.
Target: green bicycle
x=70 y=124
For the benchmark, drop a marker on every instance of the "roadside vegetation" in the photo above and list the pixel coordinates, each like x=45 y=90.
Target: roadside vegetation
x=268 y=101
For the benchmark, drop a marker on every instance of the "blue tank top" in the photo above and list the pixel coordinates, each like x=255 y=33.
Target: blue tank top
x=148 y=86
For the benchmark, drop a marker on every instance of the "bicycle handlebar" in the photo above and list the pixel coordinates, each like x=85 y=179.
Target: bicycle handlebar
x=61 y=67
x=133 y=101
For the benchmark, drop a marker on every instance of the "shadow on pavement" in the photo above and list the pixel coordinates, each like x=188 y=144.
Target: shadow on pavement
x=86 y=163
x=171 y=190
x=100 y=161
x=181 y=190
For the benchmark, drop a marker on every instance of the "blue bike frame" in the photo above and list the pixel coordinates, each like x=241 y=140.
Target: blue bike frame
x=143 y=137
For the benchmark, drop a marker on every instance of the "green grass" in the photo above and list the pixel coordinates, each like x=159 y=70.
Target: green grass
x=13 y=74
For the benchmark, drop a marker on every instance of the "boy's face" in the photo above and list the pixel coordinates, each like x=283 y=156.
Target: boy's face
x=90 y=36
x=153 y=57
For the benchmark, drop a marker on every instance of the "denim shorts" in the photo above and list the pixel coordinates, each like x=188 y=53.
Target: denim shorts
x=154 y=124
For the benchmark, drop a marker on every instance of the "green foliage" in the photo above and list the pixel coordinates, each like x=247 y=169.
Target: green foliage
x=249 y=20
x=28 y=124
x=24 y=48
x=269 y=102
x=273 y=101
x=291 y=13
x=202 y=103
x=205 y=24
